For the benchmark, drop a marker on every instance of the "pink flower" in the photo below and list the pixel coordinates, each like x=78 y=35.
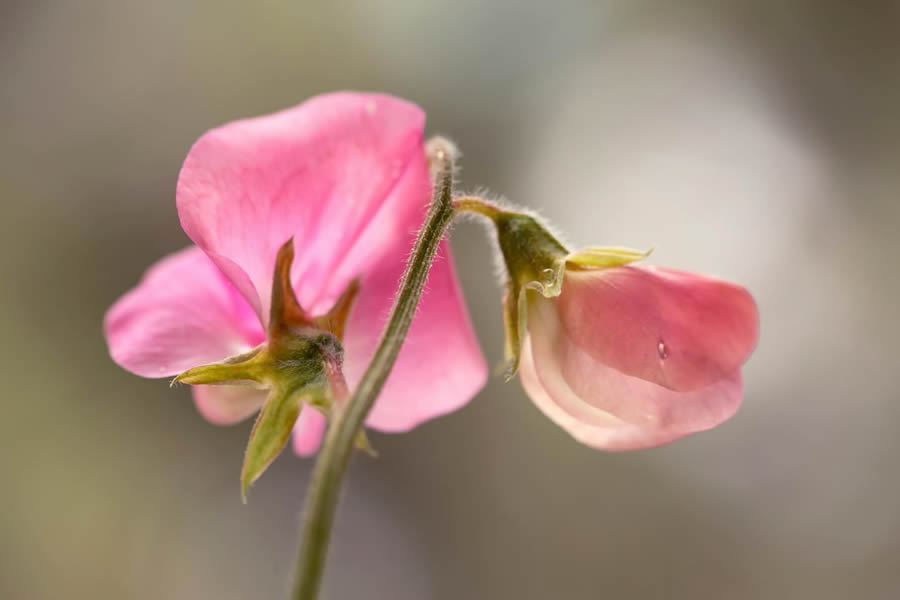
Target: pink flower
x=620 y=356
x=346 y=176
x=630 y=357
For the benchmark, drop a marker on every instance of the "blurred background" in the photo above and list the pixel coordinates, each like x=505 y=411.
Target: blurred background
x=758 y=141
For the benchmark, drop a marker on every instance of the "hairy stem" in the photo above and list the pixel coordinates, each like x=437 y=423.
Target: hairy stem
x=321 y=502
x=477 y=205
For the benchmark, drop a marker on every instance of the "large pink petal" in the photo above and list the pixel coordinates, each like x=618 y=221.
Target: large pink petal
x=680 y=330
x=440 y=367
x=589 y=426
x=606 y=408
x=319 y=172
x=227 y=404
x=182 y=314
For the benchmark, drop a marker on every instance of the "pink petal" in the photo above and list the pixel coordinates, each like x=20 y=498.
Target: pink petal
x=182 y=314
x=680 y=330
x=320 y=172
x=308 y=431
x=606 y=408
x=440 y=367
x=227 y=404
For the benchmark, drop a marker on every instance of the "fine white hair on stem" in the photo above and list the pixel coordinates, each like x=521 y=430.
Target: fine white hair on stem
x=441 y=147
x=489 y=227
x=507 y=206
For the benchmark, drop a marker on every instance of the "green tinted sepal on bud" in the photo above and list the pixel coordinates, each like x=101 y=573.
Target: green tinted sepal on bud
x=300 y=362
x=604 y=257
x=535 y=260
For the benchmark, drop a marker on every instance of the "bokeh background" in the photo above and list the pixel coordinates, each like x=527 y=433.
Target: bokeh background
x=758 y=141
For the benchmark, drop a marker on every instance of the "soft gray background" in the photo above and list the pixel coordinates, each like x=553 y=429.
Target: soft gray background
x=754 y=140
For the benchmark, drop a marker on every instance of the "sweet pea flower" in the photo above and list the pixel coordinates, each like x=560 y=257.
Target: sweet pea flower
x=345 y=176
x=620 y=356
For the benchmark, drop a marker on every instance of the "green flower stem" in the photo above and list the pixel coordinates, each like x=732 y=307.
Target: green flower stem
x=321 y=502
x=477 y=205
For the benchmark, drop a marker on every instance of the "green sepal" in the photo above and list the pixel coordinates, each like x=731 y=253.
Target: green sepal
x=604 y=257
x=300 y=359
x=336 y=318
x=361 y=442
x=511 y=326
x=243 y=369
x=272 y=429
x=535 y=261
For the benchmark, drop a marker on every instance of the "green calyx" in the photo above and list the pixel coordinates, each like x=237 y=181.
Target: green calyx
x=300 y=363
x=535 y=261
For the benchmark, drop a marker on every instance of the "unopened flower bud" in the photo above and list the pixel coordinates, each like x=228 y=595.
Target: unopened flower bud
x=621 y=356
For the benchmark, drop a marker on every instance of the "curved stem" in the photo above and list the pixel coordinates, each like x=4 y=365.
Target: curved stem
x=321 y=502
x=477 y=205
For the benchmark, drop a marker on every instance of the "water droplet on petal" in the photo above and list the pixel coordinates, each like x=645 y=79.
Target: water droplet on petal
x=662 y=350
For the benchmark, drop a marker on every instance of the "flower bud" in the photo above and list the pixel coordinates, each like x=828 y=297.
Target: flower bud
x=621 y=356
